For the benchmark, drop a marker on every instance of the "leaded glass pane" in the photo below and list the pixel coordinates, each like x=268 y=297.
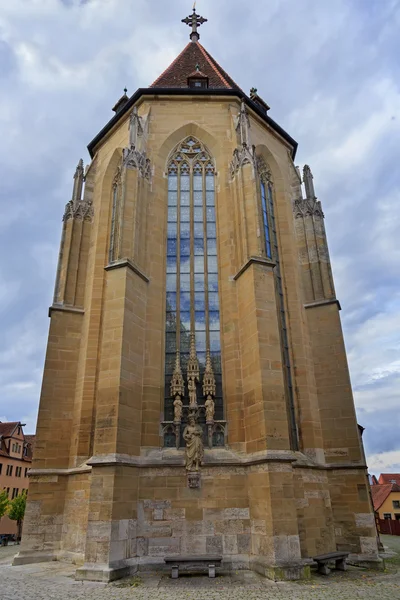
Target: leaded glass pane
x=171 y=321
x=198 y=214
x=199 y=283
x=185 y=264
x=172 y=215
x=171 y=247
x=198 y=264
x=210 y=214
x=171 y=264
x=185 y=301
x=214 y=320
x=200 y=301
x=185 y=183
x=198 y=229
x=210 y=198
x=170 y=364
x=185 y=198
x=172 y=199
x=200 y=320
x=185 y=230
x=197 y=182
x=172 y=182
x=198 y=198
x=185 y=321
x=199 y=246
x=213 y=283
x=185 y=283
x=211 y=230
x=171 y=301
x=171 y=283
x=201 y=341
x=172 y=230
x=212 y=264
x=215 y=345
x=170 y=342
x=212 y=247
x=210 y=182
x=185 y=347
x=185 y=214
x=213 y=302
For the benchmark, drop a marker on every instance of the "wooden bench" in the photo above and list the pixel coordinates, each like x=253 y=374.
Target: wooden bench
x=323 y=560
x=193 y=563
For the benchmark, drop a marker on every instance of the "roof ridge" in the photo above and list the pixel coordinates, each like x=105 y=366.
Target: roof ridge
x=205 y=54
x=216 y=63
x=170 y=65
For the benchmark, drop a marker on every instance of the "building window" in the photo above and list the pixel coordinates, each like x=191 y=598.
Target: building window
x=192 y=300
x=198 y=83
x=7 y=491
x=18 y=471
x=396 y=503
x=387 y=515
x=26 y=472
x=14 y=493
x=9 y=470
x=1 y=467
x=115 y=216
x=272 y=252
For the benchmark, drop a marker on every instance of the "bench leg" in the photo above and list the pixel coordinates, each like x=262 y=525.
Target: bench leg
x=323 y=569
x=211 y=571
x=341 y=564
x=175 y=572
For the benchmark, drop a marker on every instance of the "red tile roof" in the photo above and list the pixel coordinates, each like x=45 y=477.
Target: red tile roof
x=389 y=478
x=176 y=75
x=7 y=429
x=381 y=492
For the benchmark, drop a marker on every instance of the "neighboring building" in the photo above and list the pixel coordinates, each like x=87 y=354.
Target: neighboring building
x=385 y=478
x=194 y=305
x=15 y=460
x=386 y=496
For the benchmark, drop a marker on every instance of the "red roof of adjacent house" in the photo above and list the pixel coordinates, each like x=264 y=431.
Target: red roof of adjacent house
x=381 y=492
x=7 y=429
x=176 y=75
x=389 y=478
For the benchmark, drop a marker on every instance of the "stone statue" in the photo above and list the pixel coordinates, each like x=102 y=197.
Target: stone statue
x=194 y=445
x=210 y=409
x=192 y=393
x=178 y=405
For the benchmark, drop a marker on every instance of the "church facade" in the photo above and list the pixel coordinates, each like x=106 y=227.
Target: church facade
x=196 y=397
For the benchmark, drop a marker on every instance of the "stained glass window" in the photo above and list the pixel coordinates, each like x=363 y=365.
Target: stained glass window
x=272 y=252
x=192 y=269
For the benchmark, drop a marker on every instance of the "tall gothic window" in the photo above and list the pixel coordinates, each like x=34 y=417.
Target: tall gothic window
x=272 y=252
x=192 y=302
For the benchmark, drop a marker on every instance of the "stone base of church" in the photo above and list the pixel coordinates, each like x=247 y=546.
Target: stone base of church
x=105 y=573
x=28 y=558
x=367 y=561
x=290 y=571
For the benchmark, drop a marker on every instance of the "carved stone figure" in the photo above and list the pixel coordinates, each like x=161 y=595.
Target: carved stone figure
x=192 y=393
x=210 y=409
x=178 y=406
x=194 y=445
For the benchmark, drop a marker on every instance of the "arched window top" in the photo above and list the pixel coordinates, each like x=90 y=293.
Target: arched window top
x=191 y=155
x=263 y=170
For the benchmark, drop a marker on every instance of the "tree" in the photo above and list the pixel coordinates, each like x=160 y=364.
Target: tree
x=4 y=502
x=16 y=511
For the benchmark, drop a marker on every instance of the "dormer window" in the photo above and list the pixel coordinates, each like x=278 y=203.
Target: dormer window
x=197 y=79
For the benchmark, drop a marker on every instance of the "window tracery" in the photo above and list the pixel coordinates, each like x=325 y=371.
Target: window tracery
x=272 y=252
x=192 y=300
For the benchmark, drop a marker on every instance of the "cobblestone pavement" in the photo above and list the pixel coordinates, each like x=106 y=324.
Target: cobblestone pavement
x=55 y=581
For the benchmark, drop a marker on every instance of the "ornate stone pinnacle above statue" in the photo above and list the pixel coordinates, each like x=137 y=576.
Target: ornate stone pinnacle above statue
x=208 y=378
x=177 y=389
x=309 y=183
x=77 y=208
x=193 y=370
x=194 y=21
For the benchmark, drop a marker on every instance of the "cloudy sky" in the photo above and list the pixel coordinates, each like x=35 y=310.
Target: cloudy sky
x=331 y=74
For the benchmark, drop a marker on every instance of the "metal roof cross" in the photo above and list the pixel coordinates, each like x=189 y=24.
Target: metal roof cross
x=194 y=21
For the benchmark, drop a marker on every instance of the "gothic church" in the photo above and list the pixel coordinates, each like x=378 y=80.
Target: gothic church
x=196 y=396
